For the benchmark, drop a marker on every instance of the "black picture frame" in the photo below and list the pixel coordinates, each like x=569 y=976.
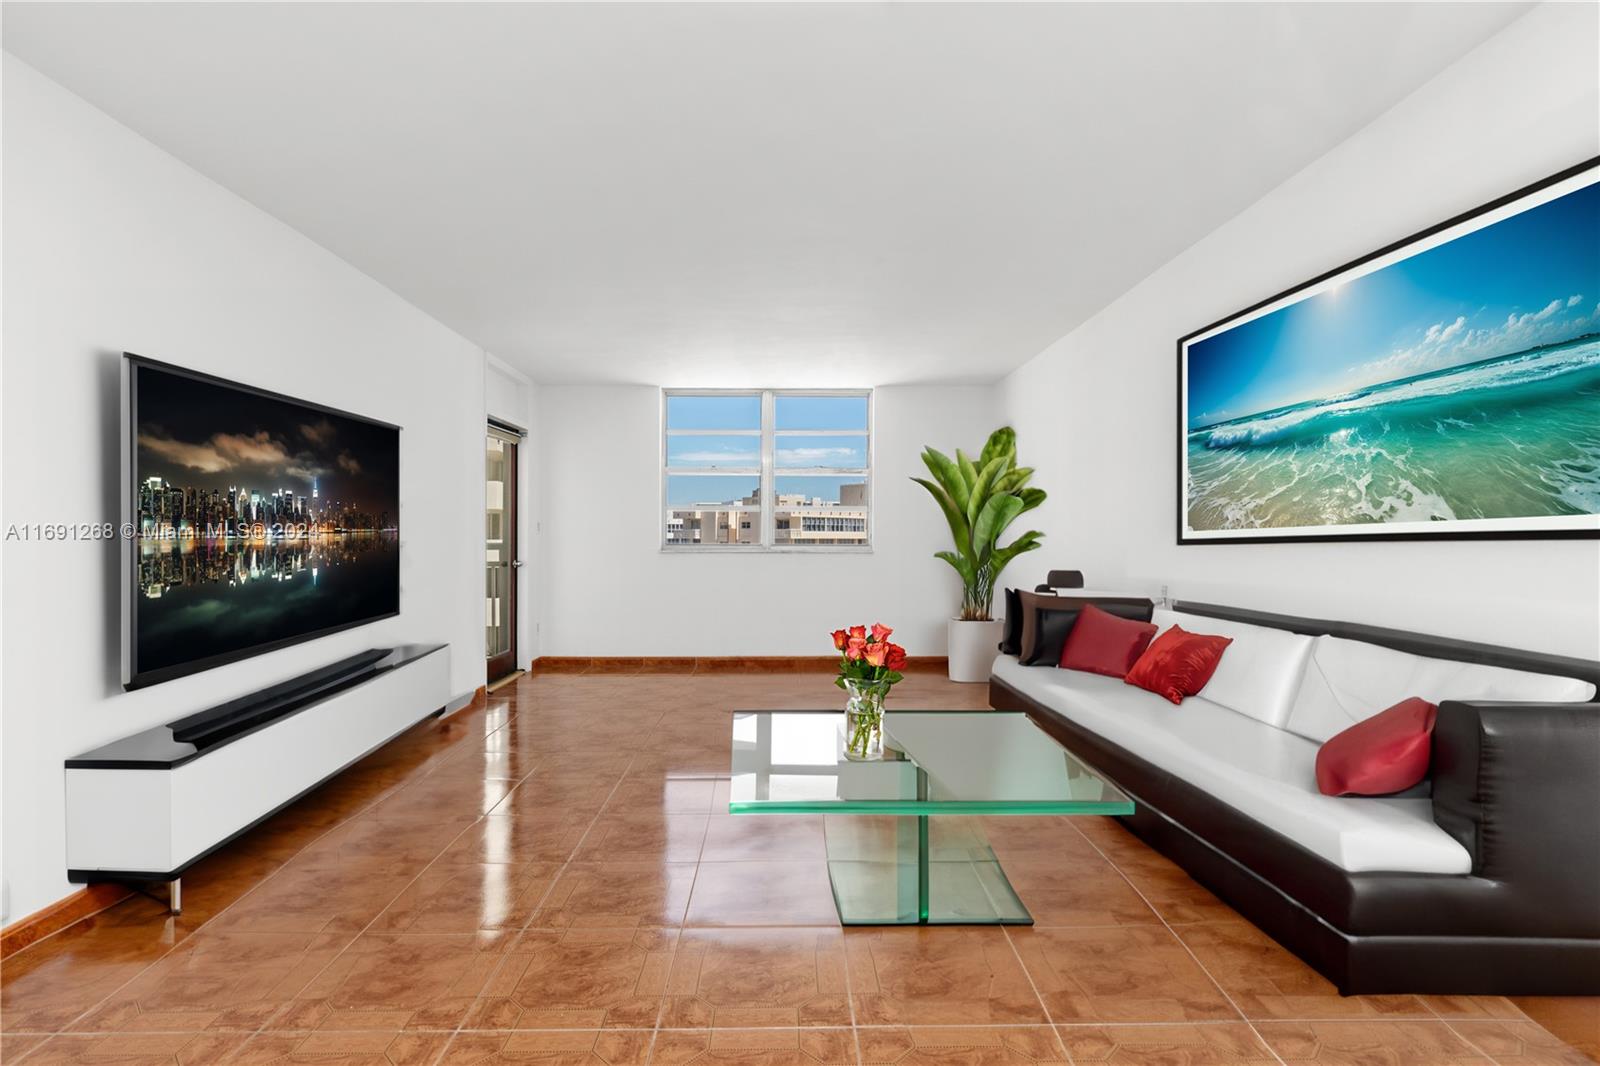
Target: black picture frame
x=1183 y=538
x=132 y=677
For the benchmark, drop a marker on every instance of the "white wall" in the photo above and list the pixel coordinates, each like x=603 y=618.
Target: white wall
x=1097 y=407
x=611 y=590
x=110 y=244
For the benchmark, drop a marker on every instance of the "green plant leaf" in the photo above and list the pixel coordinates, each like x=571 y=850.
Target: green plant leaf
x=992 y=521
x=1025 y=543
x=982 y=490
x=969 y=472
x=948 y=474
x=959 y=531
x=980 y=500
x=1013 y=479
x=1001 y=441
x=962 y=566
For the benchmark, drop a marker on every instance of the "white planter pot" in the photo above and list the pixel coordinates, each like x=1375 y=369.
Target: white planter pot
x=974 y=646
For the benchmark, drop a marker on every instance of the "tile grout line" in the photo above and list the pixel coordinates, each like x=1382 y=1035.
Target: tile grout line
x=1182 y=943
x=385 y=795
x=1049 y=1020
x=560 y=873
x=1017 y=954
x=887 y=1026
x=385 y=909
x=677 y=943
x=1457 y=1033
x=844 y=959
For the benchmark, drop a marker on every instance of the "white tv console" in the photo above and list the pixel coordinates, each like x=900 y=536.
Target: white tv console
x=147 y=807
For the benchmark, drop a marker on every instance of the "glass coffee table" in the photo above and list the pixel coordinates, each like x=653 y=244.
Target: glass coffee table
x=905 y=844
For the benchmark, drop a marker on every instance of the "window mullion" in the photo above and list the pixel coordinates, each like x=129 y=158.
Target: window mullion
x=768 y=511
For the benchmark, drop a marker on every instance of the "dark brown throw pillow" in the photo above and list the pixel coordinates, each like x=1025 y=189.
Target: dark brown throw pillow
x=1047 y=619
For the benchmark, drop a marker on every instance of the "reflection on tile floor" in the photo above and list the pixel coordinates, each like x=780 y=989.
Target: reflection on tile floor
x=554 y=878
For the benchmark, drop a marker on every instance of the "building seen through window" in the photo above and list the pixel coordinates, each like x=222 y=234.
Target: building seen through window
x=769 y=469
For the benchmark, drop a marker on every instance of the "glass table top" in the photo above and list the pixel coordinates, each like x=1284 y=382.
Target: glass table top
x=935 y=762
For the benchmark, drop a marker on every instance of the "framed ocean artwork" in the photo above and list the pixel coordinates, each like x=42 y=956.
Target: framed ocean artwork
x=1445 y=386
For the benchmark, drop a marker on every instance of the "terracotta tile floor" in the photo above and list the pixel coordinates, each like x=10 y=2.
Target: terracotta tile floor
x=554 y=879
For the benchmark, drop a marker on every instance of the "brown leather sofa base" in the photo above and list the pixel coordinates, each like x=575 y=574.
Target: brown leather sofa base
x=1367 y=933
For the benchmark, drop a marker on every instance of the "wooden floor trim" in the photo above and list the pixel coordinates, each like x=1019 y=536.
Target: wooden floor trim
x=712 y=664
x=86 y=901
x=501 y=682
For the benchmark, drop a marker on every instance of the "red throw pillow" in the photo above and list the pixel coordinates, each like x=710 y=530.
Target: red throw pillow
x=1178 y=663
x=1387 y=753
x=1102 y=643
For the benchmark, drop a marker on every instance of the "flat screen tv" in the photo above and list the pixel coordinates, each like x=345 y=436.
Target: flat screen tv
x=257 y=520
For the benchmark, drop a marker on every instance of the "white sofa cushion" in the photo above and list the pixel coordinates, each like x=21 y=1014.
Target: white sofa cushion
x=1348 y=681
x=1263 y=772
x=1258 y=673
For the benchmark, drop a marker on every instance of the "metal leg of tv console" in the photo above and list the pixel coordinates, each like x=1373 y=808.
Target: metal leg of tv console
x=174 y=899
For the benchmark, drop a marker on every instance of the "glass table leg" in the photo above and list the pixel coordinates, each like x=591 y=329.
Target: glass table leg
x=914 y=870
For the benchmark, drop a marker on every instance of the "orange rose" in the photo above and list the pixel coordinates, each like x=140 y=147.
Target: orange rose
x=876 y=654
x=896 y=657
x=858 y=632
x=880 y=632
x=839 y=638
x=855 y=648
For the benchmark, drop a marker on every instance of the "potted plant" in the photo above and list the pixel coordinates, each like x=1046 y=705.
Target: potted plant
x=869 y=665
x=980 y=498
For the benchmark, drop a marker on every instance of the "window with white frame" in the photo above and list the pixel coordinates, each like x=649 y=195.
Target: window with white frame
x=759 y=469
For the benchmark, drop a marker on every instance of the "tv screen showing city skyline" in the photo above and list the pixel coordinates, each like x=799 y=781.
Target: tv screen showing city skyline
x=258 y=521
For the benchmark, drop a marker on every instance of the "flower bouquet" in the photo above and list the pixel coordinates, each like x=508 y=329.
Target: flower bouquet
x=869 y=664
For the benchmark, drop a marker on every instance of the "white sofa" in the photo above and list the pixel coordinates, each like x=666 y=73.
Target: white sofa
x=1251 y=737
x=1231 y=771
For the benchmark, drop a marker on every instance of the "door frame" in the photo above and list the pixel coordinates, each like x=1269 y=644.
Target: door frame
x=505 y=663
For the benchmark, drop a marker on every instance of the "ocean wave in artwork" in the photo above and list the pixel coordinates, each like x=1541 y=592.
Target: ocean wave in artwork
x=1514 y=436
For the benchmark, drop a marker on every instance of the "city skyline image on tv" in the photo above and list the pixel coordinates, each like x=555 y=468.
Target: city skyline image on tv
x=259 y=521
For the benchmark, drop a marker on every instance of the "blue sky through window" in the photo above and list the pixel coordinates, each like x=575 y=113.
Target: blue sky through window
x=703 y=453
x=689 y=490
x=821 y=412
x=849 y=452
x=1525 y=281
x=714 y=412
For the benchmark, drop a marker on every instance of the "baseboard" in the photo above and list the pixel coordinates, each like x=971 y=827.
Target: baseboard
x=712 y=664
x=86 y=901
x=464 y=702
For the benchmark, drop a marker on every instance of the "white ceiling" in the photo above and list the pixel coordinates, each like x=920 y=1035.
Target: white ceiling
x=750 y=194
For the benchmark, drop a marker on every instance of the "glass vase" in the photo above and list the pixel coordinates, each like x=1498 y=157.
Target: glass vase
x=863 y=719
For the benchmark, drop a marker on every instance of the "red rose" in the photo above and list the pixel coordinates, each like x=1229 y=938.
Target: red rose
x=858 y=632
x=839 y=638
x=855 y=648
x=896 y=657
x=880 y=632
x=876 y=654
